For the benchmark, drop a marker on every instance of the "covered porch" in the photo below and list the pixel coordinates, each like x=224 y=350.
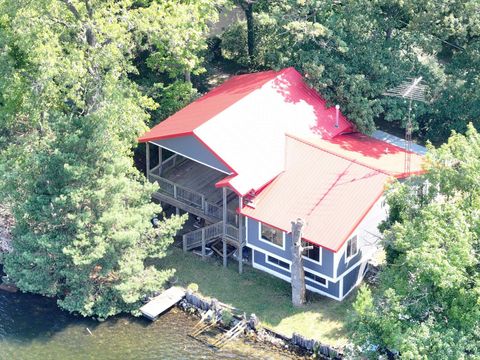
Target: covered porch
x=190 y=186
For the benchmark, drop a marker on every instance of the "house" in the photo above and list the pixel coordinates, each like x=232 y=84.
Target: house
x=262 y=150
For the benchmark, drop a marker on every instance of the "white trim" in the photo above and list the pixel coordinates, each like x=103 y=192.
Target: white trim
x=351 y=268
x=336 y=259
x=287 y=279
x=329 y=278
x=266 y=252
x=188 y=157
x=316 y=282
x=268 y=241
x=315 y=272
x=340 y=288
x=347 y=259
x=276 y=265
x=359 y=280
x=254 y=247
x=320 y=254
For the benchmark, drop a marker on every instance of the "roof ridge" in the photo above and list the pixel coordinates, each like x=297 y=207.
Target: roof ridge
x=318 y=147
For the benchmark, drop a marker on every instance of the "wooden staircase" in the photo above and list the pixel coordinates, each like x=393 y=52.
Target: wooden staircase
x=208 y=234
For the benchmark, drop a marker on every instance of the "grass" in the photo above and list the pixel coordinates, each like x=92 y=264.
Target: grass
x=264 y=295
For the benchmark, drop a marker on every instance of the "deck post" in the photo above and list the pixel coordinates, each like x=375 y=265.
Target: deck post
x=224 y=226
x=184 y=243
x=147 y=151
x=160 y=160
x=240 y=236
x=203 y=244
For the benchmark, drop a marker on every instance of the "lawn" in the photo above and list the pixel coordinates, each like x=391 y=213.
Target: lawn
x=266 y=296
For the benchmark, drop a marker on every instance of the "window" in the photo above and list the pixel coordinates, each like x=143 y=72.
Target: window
x=275 y=261
x=314 y=253
x=352 y=248
x=272 y=235
x=315 y=278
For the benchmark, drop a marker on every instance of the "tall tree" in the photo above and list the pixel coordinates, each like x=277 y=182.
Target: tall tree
x=69 y=117
x=427 y=303
x=353 y=51
x=298 y=274
x=247 y=7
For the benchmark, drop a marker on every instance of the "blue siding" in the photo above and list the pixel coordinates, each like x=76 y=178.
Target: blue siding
x=343 y=266
x=350 y=279
x=261 y=259
x=325 y=268
x=190 y=147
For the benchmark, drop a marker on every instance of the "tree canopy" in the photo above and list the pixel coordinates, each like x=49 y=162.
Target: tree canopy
x=71 y=110
x=353 y=51
x=427 y=303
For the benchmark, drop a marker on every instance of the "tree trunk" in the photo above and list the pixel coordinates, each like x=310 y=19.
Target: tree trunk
x=250 y=31
x=188 y=76
x=298 y=274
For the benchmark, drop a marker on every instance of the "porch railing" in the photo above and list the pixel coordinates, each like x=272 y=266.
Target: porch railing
x=196 y=238
x=206 y=234
x=193 y=199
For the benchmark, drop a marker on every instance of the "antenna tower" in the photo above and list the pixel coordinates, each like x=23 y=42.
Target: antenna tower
x=411 y=90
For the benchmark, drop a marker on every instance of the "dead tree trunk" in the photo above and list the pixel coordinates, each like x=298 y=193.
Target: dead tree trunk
x=297 y=272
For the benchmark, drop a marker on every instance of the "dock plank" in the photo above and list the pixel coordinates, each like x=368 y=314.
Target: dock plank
x=162 y=302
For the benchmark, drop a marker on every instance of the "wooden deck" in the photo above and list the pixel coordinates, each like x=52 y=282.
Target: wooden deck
x=196 y=188
x=162 y=302
x=197 y=177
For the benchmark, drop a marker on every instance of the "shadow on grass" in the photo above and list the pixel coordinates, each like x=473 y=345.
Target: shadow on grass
x=265 y=295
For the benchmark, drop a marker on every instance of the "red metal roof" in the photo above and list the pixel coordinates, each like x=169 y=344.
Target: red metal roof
x=208 y=106
x=331 y=193
x=371 y=152
x=279 y=139
x=249 y=115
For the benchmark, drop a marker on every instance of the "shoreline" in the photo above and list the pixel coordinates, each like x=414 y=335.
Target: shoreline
x=195 y=304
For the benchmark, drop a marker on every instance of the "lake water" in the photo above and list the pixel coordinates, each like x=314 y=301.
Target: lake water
x=34 y=328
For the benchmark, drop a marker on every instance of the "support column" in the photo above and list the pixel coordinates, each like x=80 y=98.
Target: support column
x=148 y=160
x=224 y=230
x=240 y=236
x=203 y=244
x=184 y=243
x=160 y=160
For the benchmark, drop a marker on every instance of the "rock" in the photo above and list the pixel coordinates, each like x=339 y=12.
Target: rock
x=8 y=288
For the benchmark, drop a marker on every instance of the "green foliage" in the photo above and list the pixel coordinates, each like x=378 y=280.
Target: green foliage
x=353 y=51
x=193 y=287
x=70 y=115
x=427 y=304
x=227 y=317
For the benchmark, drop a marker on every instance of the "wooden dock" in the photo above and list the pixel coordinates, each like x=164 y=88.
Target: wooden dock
x=162 y=302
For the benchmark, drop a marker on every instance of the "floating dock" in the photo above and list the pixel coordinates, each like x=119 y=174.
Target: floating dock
x=162 y=302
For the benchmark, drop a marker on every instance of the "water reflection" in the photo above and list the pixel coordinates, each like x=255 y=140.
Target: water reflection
x=32 y=327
